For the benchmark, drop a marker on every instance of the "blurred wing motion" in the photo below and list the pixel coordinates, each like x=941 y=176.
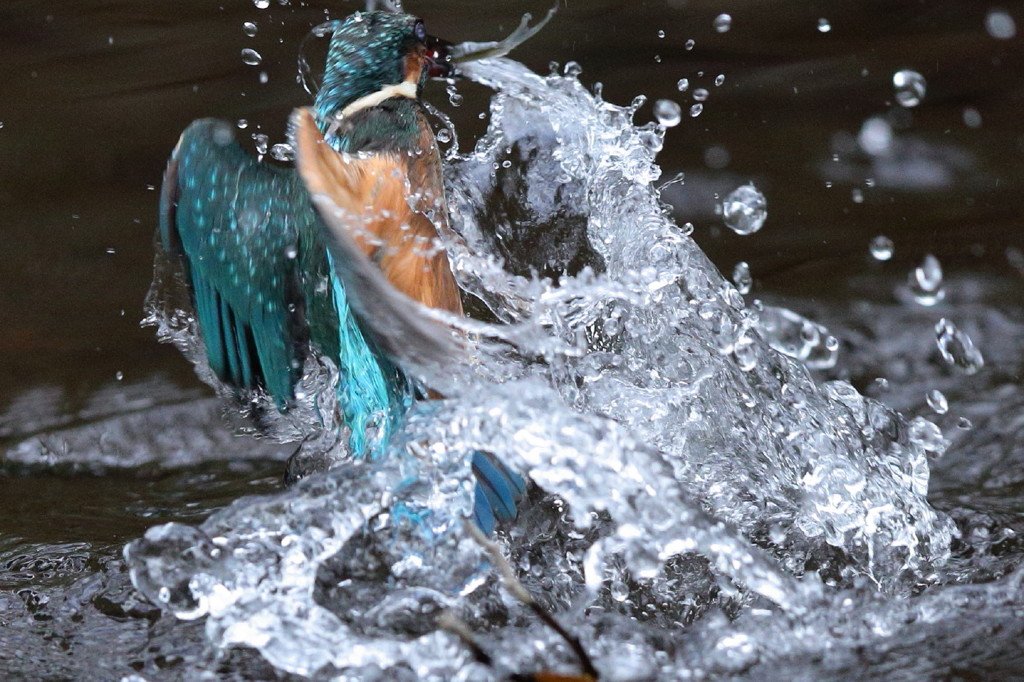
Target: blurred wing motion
x=239 y=227
x=383 y=251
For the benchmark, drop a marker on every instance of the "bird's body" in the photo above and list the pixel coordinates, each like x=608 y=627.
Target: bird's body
x=255 y=246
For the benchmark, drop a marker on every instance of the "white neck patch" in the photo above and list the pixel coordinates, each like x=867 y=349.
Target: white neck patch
x=403 y=89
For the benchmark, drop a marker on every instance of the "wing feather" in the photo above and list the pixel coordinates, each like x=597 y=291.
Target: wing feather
x=237 y=225
x=375 y=190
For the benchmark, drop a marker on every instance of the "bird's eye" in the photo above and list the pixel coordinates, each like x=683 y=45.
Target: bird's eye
x=420 y=32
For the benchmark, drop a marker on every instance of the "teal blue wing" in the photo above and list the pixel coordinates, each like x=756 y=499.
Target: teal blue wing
x=241 y=228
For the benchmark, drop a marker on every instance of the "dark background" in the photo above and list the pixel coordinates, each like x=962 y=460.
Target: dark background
x=94 y=93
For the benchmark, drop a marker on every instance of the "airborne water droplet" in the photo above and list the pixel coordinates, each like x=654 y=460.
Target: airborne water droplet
x=690 y=44
x=668 y=113
x=261 y=4
x=444 y=136
x=249 y=28
x=926 y=281
x=741 y=277
x=453 y=96
x=719 y=79
x=910 y=87
x=824 y=26
x=282 y=152
x=722 y=23
x=1000 y=25
x=696 y=109
x=744 y=210
x=881 y=248
x=261 y=141
x=251 y=57
x=875 y=136
x=937 y=401
x=957 y=348
x=683 y=84
x=700 y=95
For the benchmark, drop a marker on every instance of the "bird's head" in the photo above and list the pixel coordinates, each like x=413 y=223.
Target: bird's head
x=372 y=51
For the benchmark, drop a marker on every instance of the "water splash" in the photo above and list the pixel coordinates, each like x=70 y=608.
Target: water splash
x=682 y=465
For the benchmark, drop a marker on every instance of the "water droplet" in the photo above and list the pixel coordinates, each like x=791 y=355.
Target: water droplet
x=741 y=277
x=926 y=281
x=683 y=84
x=719 y=79
x=444 y=136
x=696 y=109
x=745 y=209
x=722 y=23
x=972 y=117
x=857 y=195
x=282 y=152
x=119 y=375
x=573 y=69
x=251 y=57
x=700 y=94
x=910 y=87
x=291 y=252
x=661 y=33
x=262 y=141
x=1000 y=25
x=964 y=423
x=453 y=96
x=957 y=348
x=689 y=45
x=242 y=124
x=881 y=248
x=875 y=137
x=249 y=28
x=657 y=59
x=937 y=401
x=264 y=77
x=261 y=4
x=824 y=26
x=668 y=113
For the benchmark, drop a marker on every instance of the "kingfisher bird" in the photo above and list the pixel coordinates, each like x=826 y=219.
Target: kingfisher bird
x=254 y=246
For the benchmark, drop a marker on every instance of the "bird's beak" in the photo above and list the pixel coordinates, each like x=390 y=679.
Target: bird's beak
x=438 y=58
